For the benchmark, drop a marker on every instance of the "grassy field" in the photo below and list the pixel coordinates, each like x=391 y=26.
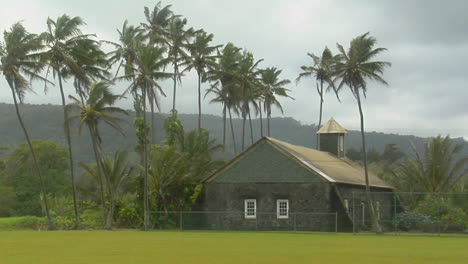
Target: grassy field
x=225 y=247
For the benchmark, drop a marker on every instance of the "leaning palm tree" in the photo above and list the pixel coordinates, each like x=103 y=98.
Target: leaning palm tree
x=157 y=23
x=354 y=69
x=62 y=39
x=177 y=42
x=224 y=85
x=202 y=59
x=18 y=61
x=97 y=108
x=125 y=50
x=93 y=61
x=272 y=87
x=147 y=73
x=323 y=70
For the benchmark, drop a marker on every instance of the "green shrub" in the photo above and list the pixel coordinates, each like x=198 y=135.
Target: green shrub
x=92 y=219
x=129 y=218
x=65 y=222
x=24 y=222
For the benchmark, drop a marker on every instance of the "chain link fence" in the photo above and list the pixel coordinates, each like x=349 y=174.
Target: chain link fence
x=236 y=221
x=430 y=213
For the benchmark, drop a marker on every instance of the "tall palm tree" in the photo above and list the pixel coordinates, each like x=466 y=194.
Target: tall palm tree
x=354 y=69
x=62 y=38
x=272 y=86
x=177 y=41
x=224 y=85
x=249 y=90
x=18 y=61
x=157 y=23
x=323 y=70
x=125 y=50
x=148 y=71
x=93 y=61
x=98 y=108
x=202 y=58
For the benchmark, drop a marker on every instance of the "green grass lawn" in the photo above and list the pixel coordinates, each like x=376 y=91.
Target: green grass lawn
x=225 y=247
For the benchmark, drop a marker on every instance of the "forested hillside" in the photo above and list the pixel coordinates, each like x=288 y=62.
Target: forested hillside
x=45 y=122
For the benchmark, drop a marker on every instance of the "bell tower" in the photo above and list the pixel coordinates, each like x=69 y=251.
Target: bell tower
x=331 y=138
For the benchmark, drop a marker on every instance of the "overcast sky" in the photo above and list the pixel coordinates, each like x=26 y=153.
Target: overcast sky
x=427 y=44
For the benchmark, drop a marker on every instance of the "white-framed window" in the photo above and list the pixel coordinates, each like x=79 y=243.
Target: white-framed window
x=282 y=208
x=346 y=204
x=250 y=208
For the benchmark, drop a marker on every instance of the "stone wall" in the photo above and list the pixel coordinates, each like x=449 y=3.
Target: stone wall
x=306 y=202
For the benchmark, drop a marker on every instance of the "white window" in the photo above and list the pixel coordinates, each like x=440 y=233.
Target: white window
x=250 y=208
x=346 y=204
x=282 y=208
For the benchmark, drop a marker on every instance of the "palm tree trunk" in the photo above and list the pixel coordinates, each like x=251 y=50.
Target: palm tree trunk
x=110 y=213
x=243 y=131
x=33 y=154
x=375 y=223
x=152 y=120
x=261 y=119
x=232 y=133
x=320 y=115
x=94 y=141
x=251 y=130
x=199 y=102
x=145 y=166
x=175 y=85
x=224 y=126
x=268 y=121
x=66 y=127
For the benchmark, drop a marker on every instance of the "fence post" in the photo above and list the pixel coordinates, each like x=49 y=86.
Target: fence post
x=336 y=222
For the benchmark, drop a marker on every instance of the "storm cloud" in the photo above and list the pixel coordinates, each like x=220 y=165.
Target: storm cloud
x=427 y=44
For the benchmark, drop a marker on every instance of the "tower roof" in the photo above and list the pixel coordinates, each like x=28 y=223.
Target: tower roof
x=332 y=127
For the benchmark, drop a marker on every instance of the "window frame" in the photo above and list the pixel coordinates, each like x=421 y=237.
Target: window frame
x=246 y=215
x=278 y=215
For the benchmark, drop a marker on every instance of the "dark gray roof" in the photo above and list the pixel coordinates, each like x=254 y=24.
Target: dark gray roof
x=326 y=165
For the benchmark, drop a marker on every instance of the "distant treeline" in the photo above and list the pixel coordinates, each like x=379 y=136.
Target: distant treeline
x=46 y=122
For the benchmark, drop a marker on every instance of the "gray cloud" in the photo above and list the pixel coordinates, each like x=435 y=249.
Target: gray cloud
x=427 y=43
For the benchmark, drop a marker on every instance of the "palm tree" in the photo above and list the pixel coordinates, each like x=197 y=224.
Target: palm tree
x=97 y=108
x=272 y=86
x=249 y=90
x=125 y=51
x=224 y=86
x=177 y=42
x=62 y=39
x=92 y=60
x=19 y=60
x=354 y=69
x=201 y=59
x=436 y=170
x=157 y=23
x=148 y=71
x=323 y=70
x=117 y=170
